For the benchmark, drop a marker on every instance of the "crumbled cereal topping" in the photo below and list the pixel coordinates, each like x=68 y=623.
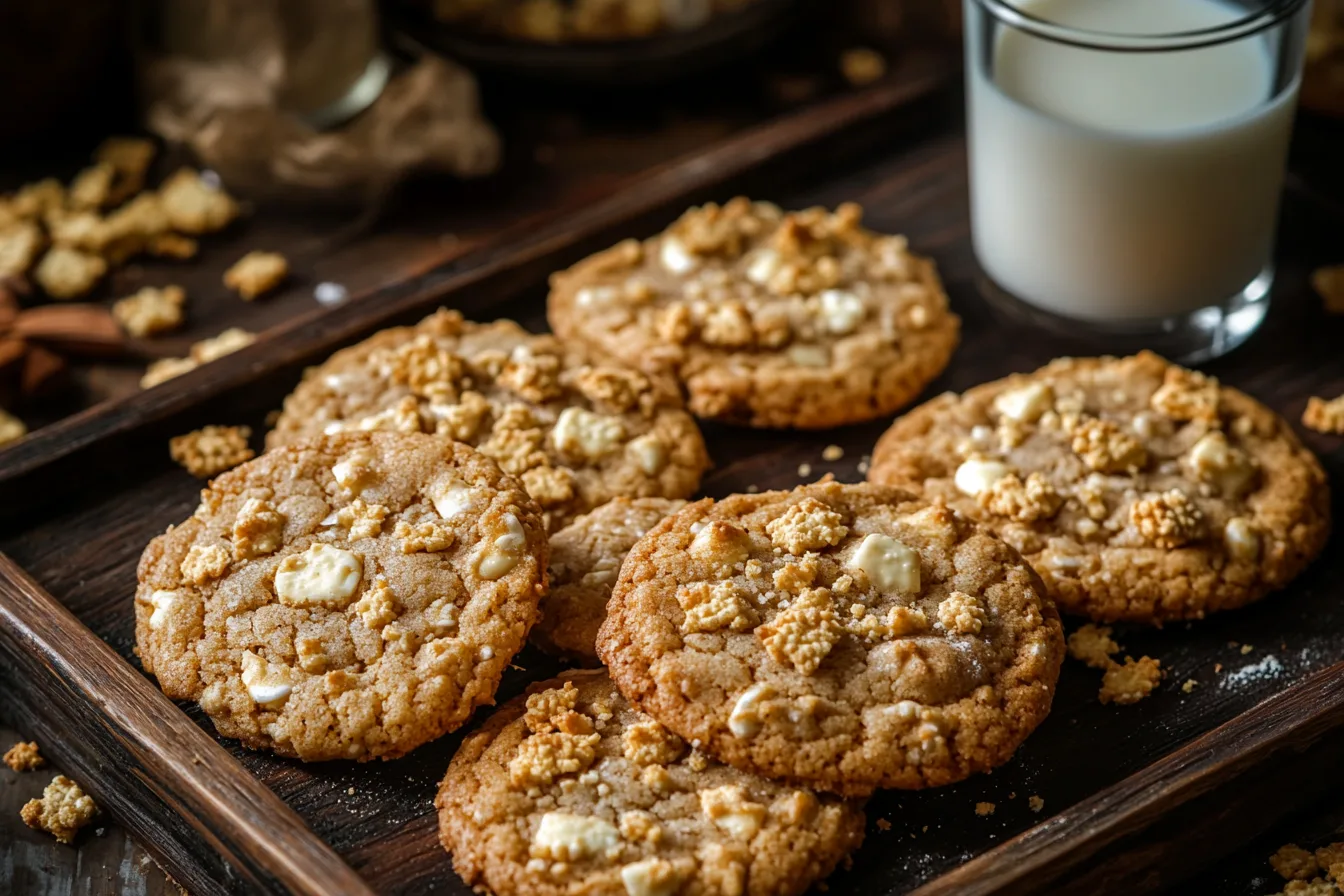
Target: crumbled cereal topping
x=649 y=743
x=1168 y=520
x=807 y=525
x=211 y=450
x=961 y=613
x=544 y=757
x=1187 y=395
x=1008 y=496
x=803 y=634
x=1105 y=448
x=712 y=606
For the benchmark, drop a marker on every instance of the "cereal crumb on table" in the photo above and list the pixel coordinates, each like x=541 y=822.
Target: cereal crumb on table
x=150 y=311
x=862 y=66
x=1292 y=862
x=1035 y=803
x=883 y=824
x=1190 y=685
x=1325 y=416
x=1329 y=285
x=256 y=274
x=1093 y=645
x=24 y=757
x=62 y=810
x=1130 y=682
x=984 y=809
x=11 y=428
x=212 y=450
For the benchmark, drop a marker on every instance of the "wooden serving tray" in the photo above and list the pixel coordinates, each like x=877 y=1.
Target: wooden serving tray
x=1136 y=797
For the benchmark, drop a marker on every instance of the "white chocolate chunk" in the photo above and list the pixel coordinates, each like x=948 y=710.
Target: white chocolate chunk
x=651 y=877
x=730 y=809
x=746 y=719
x=841 y=311
x=975 y=476
x=763 y=267
x=1241 y=539
x=585 y=434
x=268 y=684
x=450 y=497
x=1025 y=404
x=323 y=575
x=1215 y=461
x=564 y=837
x=596 y=296
x=675 y=258
x=889 y=564
x=649 y=452
x=505 y=551
x=356 y=471
x=162 y=601
x=809 y=355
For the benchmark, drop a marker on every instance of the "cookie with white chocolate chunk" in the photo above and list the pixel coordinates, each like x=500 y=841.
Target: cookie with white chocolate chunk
x=1140 y=491
x=843 y=637
x=577 y=433
x=801 y=319
x=571 y=790
x=351 y=597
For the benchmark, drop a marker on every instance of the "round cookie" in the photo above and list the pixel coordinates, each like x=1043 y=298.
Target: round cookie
x=347 y=598
x=576 y=434
x=571 y=790
x=1139 y=490
x=586 y=556
x=844 y=637
x=803 y=320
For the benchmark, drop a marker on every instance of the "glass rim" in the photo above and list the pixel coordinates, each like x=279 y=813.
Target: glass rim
x=1271 y=13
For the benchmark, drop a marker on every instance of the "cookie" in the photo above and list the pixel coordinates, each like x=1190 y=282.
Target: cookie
x=843 y=637
x=571 y=790
x=576 y=433
x=803 y=320
x=348 y=598
x=586 y=556
x=1139 y=490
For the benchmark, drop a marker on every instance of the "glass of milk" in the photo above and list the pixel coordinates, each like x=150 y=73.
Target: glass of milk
x=1126 y=160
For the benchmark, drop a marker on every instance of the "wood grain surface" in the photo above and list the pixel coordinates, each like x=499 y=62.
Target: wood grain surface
x=1133 y=838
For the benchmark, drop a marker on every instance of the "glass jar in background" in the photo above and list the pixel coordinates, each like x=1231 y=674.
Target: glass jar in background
x=1323 y=76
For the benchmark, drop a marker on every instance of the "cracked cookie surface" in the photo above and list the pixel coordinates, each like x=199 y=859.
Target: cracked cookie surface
x=570 y=790
x=586 y=557
x=1140 y=491
x=845 y=637
x=347 y=598
x=801 y=319
x=577 y=433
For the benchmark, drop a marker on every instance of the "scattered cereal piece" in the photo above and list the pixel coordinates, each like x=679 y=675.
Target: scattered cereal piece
x=11 y=428
x=212 y=450
x=256 y=273
x=165 y=369
x=150 y=311
x=92 y=188
x=1035 y=803
x=66 y=273
x=62 y=810
x=1325 y=416
x=862 y=66
x=1331 y=860
x=883 y=824
x=19 y=244
x=1093 y=645
x=225 y=343
x=1329 y=285
x=196 y=204
x=1292 y=862
x=36 y=199
x=832 y=453
x=24 y=757
x=130 y=158
x=984 y=809
x=1190 y=685
x=1246 y=648
x=1131 y=682
x=172 y=245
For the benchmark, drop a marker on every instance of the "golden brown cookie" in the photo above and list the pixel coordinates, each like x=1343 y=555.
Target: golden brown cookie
x=845 y=637
x=1139 y=490
x=586 y=556
x=576 y=433
x=572 y=792
x=347 y=598
x=803 y=319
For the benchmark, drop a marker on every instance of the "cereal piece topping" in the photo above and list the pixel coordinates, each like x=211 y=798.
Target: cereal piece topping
x=1105 y=448
x=534 y=377
x=544 y=708
x=268 y=684
x=257 y=530
x=898 y=623
x=1131 y=682
x=1229 y=469
x=807 y=525
x=1292 y=862
x=544 y=757
x=63 y=809
x=747 y=717
x=651 y=877
x=195 y=205
x=378 y=605
x=710 y=607
x=256 y=274
x=961 y=613
x=728 y=326
x=1168 y=520
x=803 y=635
x=730 y=809
x=24 y=757
x=1025 y=404
x=563 y=837
x=1186 y=395
x=1093 y=645
x=321 y=576
x=1026 y=502
x=65 y=273
x=211 y=450
x=150 y=311
x=204 y=563
x=587 y=435
x=649 y=743
x=427 y=536
x=977 y=475
x=362 y=519
x=1325 y=416
x=888 y=564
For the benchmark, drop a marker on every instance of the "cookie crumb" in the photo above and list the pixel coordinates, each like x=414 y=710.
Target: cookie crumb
x=1093 y=645
x=62 y=810
x=1329 y=285
x=1130 y=682
x=24 y=757
x=1246 y=648
x=1217 y=667
x=1331 y=860
x=1292 y=862
x=862 y=66
x=1325 y=416
x=350 y=792
x=256 y=274
x=804 y=469
x=883 y=824
x=150 y=311
x=1035 y=803
x=832 y=453
x=984 y=809
x=211 y=450
x=1190 y=685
